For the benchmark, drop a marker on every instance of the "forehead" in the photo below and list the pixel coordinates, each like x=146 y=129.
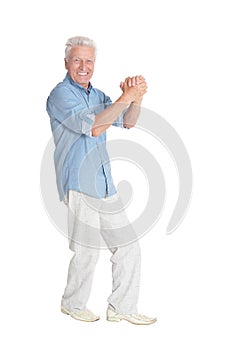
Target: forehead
x=82 y=51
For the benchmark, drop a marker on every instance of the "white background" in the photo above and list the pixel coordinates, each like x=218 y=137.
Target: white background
x=184 y=49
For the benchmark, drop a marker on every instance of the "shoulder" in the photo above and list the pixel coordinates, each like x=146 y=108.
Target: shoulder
x=104 y=98
x=98 y=91
x=62 y=90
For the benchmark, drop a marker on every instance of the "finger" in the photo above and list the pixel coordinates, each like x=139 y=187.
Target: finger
x=129 y=82
x=133 y=81
x=142 y=85
x=137 y=79
x=125 y=85
x=141 y=78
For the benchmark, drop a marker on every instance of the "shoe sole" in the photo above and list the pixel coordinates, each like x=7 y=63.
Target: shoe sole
x=116 y=319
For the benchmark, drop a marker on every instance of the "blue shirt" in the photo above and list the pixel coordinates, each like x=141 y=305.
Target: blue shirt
x=81 y=160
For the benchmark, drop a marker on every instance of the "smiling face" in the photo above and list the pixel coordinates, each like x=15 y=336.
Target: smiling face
x=80 y=64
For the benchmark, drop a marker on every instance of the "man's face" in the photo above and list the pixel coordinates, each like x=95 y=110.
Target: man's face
x=80 y=64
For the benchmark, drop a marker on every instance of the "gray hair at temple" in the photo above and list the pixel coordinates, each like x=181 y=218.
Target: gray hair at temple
x=79 y=41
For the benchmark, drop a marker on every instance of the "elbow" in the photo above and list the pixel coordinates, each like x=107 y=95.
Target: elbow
x=128 y=126
x=98 y=130
x=95 y=132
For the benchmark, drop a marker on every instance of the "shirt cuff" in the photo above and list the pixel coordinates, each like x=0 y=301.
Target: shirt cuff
x=87 y=123
x=119 y=121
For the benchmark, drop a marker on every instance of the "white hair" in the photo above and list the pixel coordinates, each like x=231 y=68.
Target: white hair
x=79 y=41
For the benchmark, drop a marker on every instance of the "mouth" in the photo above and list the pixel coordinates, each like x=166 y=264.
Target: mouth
x=83 y=74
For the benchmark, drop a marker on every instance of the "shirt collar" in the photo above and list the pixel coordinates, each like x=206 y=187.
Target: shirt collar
x=88 y=90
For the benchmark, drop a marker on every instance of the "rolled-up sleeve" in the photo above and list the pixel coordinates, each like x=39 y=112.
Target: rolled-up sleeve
x=64 y=108
x=119 y=121
x=87 y=122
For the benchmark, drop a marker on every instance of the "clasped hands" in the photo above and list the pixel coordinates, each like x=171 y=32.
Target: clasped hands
x=134 y=88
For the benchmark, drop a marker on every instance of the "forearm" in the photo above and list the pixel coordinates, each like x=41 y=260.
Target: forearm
x=131 y=94
x=105 y=119
x=132 y=114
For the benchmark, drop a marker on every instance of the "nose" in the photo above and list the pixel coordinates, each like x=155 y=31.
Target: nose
x=82 y=65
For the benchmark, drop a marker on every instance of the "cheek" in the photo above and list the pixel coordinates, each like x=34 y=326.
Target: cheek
x=71 y=68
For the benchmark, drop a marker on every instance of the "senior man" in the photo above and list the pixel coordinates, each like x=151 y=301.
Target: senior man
x=80 y=115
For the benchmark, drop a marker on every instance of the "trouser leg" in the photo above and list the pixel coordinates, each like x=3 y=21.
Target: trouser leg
x=121 y=240
x=125 y=278
x=83 y=262
x=80 y=276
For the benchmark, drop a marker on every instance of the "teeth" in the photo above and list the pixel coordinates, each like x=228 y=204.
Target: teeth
x=82 y=73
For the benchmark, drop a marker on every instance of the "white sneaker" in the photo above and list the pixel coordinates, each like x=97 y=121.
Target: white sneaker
x=132 y=318
x=81 y=315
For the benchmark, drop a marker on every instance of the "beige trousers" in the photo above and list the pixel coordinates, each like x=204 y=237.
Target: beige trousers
x=94 y=224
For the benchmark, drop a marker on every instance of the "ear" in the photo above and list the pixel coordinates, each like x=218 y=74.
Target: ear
x=65 y=61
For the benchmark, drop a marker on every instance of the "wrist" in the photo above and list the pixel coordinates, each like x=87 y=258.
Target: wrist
x=138 y=101
x=124 y=98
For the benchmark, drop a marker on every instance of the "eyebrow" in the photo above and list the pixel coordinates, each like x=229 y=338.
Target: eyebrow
x=89 y=58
